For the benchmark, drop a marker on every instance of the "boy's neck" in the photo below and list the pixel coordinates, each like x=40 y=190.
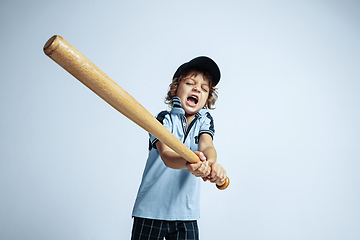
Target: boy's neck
x=189 y=118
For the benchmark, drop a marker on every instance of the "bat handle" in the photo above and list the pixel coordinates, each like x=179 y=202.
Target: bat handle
x=224 y=185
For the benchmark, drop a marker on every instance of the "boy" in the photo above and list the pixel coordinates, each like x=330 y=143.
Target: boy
x=167 y=204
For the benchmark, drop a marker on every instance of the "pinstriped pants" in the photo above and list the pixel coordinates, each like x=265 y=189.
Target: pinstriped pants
x=151 y=229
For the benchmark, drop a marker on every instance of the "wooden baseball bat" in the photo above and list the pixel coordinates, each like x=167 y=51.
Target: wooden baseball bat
x=91 y=76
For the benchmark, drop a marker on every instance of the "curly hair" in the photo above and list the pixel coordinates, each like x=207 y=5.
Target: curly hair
x=213 y=96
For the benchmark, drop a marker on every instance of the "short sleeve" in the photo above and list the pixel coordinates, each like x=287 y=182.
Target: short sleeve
x=207 y=125
x=164 y=118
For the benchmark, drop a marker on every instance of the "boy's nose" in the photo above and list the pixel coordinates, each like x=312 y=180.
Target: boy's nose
x=196 y=88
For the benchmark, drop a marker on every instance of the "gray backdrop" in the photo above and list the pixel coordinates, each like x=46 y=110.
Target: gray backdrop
x=287 y=118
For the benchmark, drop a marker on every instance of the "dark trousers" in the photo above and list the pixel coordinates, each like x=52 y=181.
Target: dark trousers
x=159 y=229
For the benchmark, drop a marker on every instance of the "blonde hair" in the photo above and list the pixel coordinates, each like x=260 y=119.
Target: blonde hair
x=213 y=96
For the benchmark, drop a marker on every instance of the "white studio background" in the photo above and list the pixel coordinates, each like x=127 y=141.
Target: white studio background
x=287 y=118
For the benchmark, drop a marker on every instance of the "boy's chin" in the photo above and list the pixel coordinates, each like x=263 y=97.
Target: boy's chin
x=190 y=112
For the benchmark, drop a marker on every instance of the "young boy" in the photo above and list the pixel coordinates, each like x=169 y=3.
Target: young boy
x=168 y=201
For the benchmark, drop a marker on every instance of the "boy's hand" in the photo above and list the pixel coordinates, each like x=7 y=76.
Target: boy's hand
x=217 y=175
x=201 y=168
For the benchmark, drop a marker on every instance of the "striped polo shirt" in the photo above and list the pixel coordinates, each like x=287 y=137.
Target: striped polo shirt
x=166 y=193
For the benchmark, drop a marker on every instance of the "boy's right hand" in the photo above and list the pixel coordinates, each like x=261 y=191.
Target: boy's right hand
x=201 y=168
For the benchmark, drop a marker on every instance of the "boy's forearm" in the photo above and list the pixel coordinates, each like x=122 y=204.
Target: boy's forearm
x=173 y=160
x=210 y=154
x=170 y=158
x=206 y=146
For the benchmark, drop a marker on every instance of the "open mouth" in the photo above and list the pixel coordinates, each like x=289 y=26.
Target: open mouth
x=192 y=100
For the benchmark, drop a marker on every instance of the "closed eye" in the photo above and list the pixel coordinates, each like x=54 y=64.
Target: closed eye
x=205 y=88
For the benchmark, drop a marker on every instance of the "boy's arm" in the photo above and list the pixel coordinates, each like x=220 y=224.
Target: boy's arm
x=173 y=160
x=206 y=146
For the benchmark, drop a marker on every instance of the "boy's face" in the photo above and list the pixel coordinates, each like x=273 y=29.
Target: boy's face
x=193 y=92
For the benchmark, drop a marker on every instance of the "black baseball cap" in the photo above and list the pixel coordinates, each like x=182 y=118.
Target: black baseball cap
x=201 y=63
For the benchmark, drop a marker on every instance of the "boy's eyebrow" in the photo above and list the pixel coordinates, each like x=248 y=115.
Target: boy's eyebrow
x=189 y=78
x=206 y=83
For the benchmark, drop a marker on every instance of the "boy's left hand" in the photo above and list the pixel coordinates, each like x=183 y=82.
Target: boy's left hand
x=217 y=174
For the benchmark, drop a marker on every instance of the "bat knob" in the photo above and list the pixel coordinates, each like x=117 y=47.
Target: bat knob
x=224 y=185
